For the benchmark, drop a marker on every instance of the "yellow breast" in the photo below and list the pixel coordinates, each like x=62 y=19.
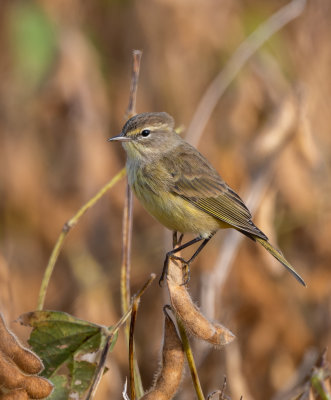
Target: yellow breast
x=170 y=209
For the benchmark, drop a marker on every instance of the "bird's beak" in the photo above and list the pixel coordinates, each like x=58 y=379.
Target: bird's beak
x=119 y=138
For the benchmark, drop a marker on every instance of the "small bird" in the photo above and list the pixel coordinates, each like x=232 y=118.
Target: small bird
x=180 y=188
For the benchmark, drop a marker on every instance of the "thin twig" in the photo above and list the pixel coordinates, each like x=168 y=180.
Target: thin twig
x=136 y=58
x=190 y=360
x=126 y=250
x=135 y=305
x=127 y=215
x=220 y=392
x=145 y=287
x=112 y=332
x=100 y=367
x=135 y=378
x=317 y=380
x=239 y=58
x=65 y=230
x=101 y=364
x=127 y=222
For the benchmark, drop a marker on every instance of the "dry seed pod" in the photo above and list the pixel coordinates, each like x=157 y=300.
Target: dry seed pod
x=196 y=323
x=25 y=359
x=19 y=394
x=170 y=375
x=12 y=378
x=37 y=387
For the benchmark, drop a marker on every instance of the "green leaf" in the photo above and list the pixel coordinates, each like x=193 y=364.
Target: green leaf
x=61 y=339
x=57 y=336
x=61 y=390
x=82 y=373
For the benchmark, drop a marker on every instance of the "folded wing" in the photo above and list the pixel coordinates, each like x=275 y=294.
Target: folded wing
x=195 y=180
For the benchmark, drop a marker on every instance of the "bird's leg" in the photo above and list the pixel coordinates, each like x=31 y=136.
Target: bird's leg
x=171 y=253
x=175 y=240
x=179 y=242
x=188 y=262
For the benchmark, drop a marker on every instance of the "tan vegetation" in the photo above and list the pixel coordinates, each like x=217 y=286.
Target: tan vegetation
x=64 y=81
x=169 y=377
x=17 y=368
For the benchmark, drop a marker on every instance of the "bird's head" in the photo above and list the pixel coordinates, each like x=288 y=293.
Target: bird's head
x=148 y=135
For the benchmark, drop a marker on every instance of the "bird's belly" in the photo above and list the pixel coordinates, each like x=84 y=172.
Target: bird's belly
x=176 y=213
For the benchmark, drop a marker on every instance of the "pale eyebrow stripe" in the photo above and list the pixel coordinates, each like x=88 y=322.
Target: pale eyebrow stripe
x=134 y=132
x=152 y=128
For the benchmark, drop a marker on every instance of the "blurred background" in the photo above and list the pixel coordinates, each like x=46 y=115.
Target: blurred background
x=64 y=84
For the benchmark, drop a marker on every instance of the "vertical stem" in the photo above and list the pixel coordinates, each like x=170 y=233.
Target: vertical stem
x=131 y=350
x=136 y=58
x=127 y=216
x=135 y=379
x=126 y=250
x=190 y=360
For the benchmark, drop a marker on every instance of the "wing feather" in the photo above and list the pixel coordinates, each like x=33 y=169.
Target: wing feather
x=193 y=178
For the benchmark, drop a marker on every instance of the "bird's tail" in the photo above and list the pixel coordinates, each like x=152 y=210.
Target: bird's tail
x=279 y=256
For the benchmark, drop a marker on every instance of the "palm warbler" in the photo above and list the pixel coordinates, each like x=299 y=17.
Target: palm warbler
x=179 y=187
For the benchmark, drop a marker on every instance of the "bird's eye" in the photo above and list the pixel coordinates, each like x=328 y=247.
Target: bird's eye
x=145 y=132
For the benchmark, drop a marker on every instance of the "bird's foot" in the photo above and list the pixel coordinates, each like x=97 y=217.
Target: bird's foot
x=185 y=268
x=186 y=274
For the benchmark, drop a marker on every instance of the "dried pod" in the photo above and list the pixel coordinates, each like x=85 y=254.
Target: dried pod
x=37 y=387
x=19 y=394
x=12 y=378
x=25 y=359
x=170 y=375
x=196 y=323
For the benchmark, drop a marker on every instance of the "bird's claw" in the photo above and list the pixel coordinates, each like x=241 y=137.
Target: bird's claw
x=186 y=274
x=185 y=268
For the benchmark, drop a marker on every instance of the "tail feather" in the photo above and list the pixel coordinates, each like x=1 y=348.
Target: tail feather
x=279 y=256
